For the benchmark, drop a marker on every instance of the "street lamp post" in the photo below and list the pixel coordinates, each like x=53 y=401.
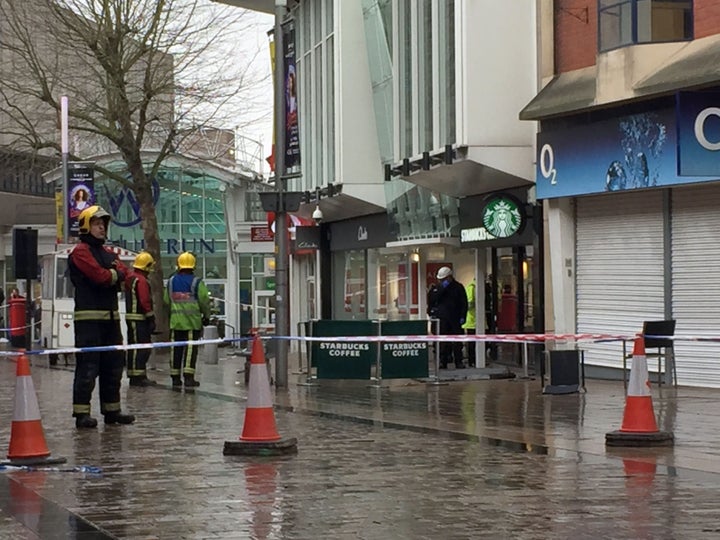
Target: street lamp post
x=64 y=147
x=282 y=289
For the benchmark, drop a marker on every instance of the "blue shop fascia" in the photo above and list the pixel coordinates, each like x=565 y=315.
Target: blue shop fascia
x=631 y=195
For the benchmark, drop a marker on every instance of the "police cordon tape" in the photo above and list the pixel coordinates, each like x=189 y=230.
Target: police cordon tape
x=492 y=338
x=16 y=328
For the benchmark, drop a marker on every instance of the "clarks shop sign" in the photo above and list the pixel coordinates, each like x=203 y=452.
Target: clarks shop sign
x=361 y=233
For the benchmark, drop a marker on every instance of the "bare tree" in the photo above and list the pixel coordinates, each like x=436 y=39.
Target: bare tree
x=141 y=75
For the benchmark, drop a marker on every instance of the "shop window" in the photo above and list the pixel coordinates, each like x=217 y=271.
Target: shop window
x=349 y=285
x=627 y=22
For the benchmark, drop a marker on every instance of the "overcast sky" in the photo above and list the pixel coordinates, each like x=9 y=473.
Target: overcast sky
x=257 y=41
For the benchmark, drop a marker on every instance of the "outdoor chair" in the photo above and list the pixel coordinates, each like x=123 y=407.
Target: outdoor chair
x=660 y=348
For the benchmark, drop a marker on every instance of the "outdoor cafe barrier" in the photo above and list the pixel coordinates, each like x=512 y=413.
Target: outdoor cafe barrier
x=337 y=359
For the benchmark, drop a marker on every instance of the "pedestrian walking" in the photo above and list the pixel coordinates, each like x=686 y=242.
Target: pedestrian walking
x=140 y=318
x=97 y=274
x=469 y=325
x=189 y=301
x=452 y=309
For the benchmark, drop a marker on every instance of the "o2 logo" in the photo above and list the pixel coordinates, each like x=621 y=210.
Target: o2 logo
x=547 y=164
x=124 y=206
x=700 y=120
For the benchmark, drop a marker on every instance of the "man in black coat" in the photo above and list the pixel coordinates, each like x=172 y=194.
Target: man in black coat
x=452 y=308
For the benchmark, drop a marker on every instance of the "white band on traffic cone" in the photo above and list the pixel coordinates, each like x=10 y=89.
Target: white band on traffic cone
x=259 y=396
x=26 y=404
x=639 y=384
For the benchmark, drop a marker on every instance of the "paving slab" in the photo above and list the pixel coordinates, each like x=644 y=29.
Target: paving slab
x=405 y=459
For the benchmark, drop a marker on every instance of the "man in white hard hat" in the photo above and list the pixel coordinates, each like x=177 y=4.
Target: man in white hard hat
x=451 y=309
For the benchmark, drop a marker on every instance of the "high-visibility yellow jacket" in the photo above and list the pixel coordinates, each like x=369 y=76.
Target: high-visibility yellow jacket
x=470 y=317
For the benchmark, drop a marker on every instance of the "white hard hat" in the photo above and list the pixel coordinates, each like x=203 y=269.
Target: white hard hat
x=444 y=272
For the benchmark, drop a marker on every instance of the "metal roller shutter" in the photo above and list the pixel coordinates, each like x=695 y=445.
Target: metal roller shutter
x=696 y=282
x=619 y=268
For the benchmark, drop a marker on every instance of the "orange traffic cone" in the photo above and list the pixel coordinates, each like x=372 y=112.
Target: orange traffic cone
x=27 y=440
x=259 y=434
x=639 y=427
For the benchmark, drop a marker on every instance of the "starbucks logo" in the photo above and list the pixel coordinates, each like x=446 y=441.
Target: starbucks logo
x=502 y=217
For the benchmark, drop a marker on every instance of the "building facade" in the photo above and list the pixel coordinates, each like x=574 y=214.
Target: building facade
x=627 y=168
x=406 y=117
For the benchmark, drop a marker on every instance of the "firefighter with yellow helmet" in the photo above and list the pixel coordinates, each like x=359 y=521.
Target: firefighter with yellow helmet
x=189 y=301
x=97 y=274
x=140 y=318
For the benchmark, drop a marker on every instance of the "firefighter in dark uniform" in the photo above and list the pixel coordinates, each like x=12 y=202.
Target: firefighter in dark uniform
x=97 y=274
x=140 y=319
x=189 y=301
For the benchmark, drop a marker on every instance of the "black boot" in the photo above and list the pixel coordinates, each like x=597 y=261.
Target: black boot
x=85 y=421
x=190 y=381
x=176 y=381
x=119 y=418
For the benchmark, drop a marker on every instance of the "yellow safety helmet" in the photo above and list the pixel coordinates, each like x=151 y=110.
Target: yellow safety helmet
x=186 y=261
x=144 y=261
x=86 y=215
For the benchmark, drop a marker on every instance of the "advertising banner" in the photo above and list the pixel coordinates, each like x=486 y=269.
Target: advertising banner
x=81 y=191
x=405 y=359
x=292 y=132
x=628 y=152
x=698 y=128
x=339 y=359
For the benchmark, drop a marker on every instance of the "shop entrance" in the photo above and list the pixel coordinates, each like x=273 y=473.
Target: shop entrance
x=510 y=296
x=511 y=289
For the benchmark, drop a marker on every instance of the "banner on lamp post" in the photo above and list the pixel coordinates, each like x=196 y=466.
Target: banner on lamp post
x=81 y=191
x=292 y=131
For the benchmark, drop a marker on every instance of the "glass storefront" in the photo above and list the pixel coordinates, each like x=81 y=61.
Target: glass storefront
x=190 y=214
x=393 y=286
x=349 y=285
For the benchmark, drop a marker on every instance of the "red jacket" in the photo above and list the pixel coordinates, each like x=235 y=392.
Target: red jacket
x=97 y=274
x=138 y=301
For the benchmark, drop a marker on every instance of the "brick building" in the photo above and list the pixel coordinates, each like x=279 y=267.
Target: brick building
x=628 y=168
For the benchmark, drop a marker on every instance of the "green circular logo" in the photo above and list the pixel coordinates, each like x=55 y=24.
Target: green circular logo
x=502 y=217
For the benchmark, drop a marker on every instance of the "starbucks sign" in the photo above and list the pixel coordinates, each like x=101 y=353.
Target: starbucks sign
x=502 y=216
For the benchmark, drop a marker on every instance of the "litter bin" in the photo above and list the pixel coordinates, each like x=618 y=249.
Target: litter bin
x=567 y=372
x=209 y=352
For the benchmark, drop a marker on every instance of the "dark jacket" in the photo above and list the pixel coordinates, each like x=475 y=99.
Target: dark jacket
x=97 y=274
x=452 y=304
x=432 y=300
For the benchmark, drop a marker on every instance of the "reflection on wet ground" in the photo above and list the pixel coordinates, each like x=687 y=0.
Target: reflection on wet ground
x=484 y=459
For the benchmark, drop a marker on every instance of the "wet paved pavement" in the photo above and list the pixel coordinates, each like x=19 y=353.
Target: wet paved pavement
x=477 y=459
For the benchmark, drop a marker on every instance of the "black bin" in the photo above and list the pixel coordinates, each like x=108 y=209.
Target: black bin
x=567 y=372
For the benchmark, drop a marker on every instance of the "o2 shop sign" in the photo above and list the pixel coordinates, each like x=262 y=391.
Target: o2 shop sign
x=547 y=163
x=698 y=126
x=700 y=129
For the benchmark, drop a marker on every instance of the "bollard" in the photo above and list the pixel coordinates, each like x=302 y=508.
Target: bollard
x=210 y=351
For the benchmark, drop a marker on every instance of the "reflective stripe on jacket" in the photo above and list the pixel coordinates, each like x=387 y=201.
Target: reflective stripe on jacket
x=95 y=272
x=138 y=302
x=189 y=300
